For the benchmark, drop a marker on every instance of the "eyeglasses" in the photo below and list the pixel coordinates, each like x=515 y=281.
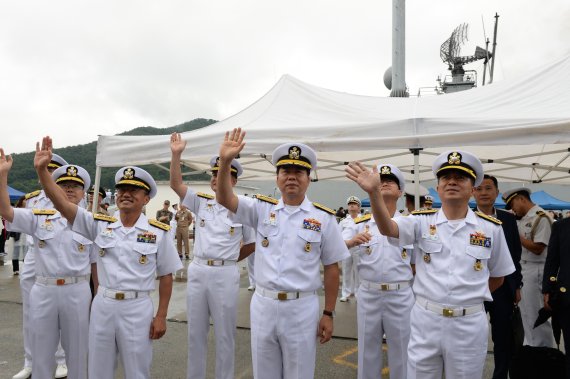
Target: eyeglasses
x=71 y=185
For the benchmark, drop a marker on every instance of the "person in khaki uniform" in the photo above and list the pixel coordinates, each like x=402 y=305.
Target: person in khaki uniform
x=183 y=221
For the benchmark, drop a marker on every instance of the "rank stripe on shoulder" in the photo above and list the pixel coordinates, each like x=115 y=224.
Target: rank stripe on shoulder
x=360 y=219
x=323 y=208
x=541 y=213
x=205 y=195
x=102 y=217
x=489 y=218
x=48 y=212
x=267 y=199
x=424 y=212
x=32 y=194
x=160 y=225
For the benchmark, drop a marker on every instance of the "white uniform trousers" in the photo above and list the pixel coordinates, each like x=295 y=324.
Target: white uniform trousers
x=457 y=343
x=122 y=325
x=531 y=302
x=213 y=292
x=60 y=311
x=27 y=280
x=350 y=280
x=284 y=337
x=383 y=312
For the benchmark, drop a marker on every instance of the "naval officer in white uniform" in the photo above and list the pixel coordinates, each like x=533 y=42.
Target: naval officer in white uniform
x=213 y=276
x=462 y=258
x=385 y=297
x=350 y=280
x=60 y=298
x=294 y=237
x=38 y=200
x=132 y=252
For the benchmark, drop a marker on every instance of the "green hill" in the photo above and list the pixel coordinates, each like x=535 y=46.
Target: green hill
x=23 y=176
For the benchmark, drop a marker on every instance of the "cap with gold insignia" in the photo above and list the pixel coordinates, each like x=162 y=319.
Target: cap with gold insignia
x=353 y=199
x=389 y=170
x=296 y=154
x=429 y=199
x=72 y=173
x=56 y=161
x=509 y=195
x=236 y=168
x=136 y=177
x=461 y=161
x=101 y=191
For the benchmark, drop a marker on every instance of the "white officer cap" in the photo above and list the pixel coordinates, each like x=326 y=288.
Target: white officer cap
x=459 y=160
x=353 y=199
x=509 y=195
x=236 y=168
x=137 y=177
x=389 y=170
x=411 y=191
x=296 y=154
x=429 y=199
x=56 y=161
x=72 y=173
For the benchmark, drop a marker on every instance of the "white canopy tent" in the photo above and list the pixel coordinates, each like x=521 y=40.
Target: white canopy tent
x=520 y=129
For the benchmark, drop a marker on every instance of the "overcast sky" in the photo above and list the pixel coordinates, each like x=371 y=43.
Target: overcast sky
x=77 y=69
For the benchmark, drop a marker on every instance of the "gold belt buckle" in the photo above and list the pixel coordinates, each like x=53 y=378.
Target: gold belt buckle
x=384 y=287
x=210 y=262
x=60 y=282
x=447 y=312
x=281 y=295
x=119 y=296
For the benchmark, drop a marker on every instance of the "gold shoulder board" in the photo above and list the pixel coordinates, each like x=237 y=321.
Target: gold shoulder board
x=323 y=208
x=32 y=194
x=424 y=212
x=489 y=218
x=205 y=195
x=48 y=212
x=360 y=219
x=159 y=225
x=541 y=213
x=102 y=217
x=267 y=199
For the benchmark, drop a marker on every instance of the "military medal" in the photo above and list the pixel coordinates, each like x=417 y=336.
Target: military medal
x=367 y=227
x=272 y=219
x=427 y=258
x=478 y=266
x=202 y=222
x=265 y=242
x=308 y=247
x=368 y=250
x=563 y=289
x=41 y=243
x=232 y=231
x=404 y=254
x=101 y=252
x=81 y=247
x=142 y=259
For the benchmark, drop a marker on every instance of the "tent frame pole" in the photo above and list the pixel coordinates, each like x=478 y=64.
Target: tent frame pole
x=96 y=186
x=416 y=172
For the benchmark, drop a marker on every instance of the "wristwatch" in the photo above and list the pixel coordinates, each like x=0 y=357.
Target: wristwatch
x=331 y=314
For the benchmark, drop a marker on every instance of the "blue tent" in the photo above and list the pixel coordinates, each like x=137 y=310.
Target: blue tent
x=14 y=194
x=540 y=198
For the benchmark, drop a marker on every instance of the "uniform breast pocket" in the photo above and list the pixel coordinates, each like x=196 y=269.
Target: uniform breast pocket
x=81 y=245
x=478 y=258
x=310 y=242
x=145 y=257
x=429 y=252
x=105 y=243
x=268 y=234
x=206 y=214
x=44 y=237
x=234 y=229
x=370 y=248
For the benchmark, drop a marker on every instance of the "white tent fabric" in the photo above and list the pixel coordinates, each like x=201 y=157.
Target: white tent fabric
x=520 y=129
